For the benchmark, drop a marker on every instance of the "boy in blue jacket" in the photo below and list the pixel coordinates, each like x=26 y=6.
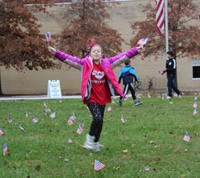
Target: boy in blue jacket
x=127 y=74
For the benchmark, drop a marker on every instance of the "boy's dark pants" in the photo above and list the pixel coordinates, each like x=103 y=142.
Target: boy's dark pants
x=128 y=87
x=171 y=85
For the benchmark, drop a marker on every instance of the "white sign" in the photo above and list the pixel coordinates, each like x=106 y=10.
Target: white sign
x=54 y=90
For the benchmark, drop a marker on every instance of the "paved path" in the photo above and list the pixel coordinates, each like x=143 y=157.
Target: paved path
x=41 y=97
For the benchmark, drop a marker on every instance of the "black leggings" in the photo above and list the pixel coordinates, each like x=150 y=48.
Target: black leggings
x=128 y=88
x=96 y=126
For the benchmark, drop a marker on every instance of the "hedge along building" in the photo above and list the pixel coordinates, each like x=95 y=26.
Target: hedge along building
x=35 y=82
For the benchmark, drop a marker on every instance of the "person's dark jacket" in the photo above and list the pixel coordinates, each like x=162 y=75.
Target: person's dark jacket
x=171 y=67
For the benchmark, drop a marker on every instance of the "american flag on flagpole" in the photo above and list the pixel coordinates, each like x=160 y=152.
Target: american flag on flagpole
x=160 y=17
x=48 y=36
x=98 y=165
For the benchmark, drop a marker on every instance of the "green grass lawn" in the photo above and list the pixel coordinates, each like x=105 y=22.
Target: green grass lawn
x=149 y=144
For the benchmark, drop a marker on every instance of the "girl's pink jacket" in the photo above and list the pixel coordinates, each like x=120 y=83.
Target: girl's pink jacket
x=86 y=66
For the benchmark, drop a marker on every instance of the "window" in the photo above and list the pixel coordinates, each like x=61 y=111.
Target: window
x=196 y=69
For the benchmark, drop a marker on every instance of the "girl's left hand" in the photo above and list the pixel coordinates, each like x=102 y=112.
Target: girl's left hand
x=141 y=44
x=140 y=48
x=51 y=49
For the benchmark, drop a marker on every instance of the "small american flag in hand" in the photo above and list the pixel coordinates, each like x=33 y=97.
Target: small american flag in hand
x=48 y=36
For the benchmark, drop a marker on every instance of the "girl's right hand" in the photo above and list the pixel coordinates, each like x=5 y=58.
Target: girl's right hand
x=51 y=49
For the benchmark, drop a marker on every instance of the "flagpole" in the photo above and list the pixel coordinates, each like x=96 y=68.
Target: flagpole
x=166 y=26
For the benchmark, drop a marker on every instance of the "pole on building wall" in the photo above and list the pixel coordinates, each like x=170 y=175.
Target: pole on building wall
x=167 y=37
x=166 y=26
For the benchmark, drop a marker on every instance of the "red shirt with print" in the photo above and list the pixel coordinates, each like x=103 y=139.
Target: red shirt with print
x=100 y=92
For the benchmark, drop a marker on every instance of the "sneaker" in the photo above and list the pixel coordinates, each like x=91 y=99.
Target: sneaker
x=89 y=143
x=137 y=102
x=168 y=97
x=98 y=146
x=120 y=103
x=180 y=95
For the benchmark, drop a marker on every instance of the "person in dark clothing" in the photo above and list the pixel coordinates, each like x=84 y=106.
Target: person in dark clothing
x=170 y=69
x=128 y=75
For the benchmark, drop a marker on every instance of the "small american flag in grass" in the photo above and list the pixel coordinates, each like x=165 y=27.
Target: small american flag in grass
x=186 y=137
x=45 y=105
x=109 y=108
x=1 y=132
x=5 y=149
x=98 y=165
x=47 y=109
x=69 y=141
x=72 y=117
x=26 y=115
x=194 y=111
x=195 y=105
x=122 y=119
x=80 y=129
x=35 y=120
x=52 y=115
x=70 y=122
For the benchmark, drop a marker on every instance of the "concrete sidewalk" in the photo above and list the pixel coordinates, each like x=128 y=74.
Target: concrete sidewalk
x=36 y=97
